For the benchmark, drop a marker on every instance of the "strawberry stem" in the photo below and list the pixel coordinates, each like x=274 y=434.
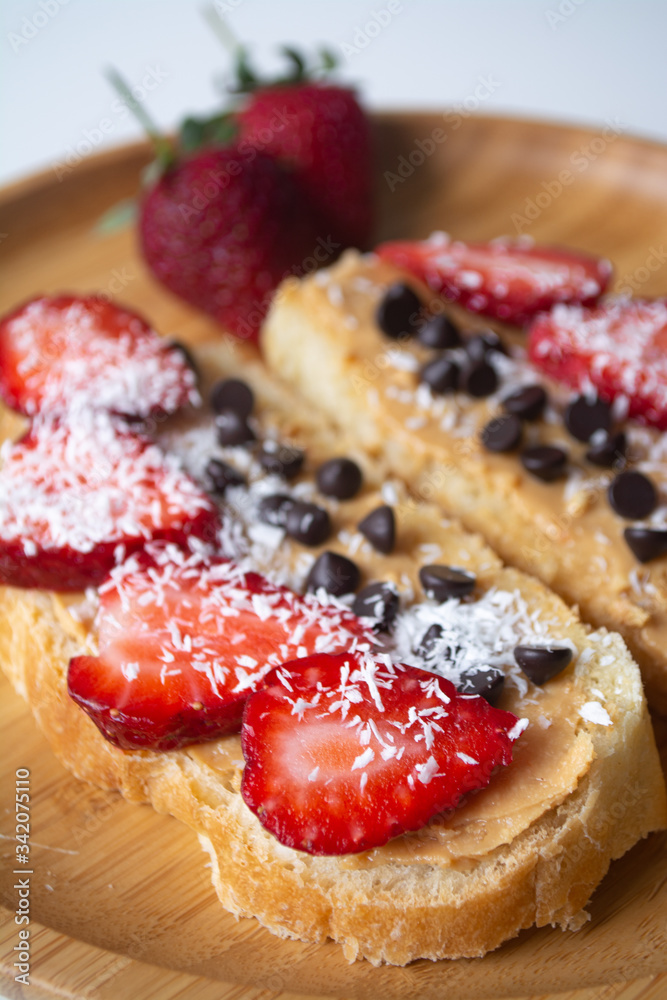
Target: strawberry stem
x=164 y=153
x=245 y=75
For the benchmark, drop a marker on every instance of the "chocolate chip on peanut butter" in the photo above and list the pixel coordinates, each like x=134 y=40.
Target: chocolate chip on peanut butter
x=607 y=449
x=232 y=394
x=502 y=433
x=340 y=478
x=646 y=543
x=584 y=416
x=307 y=523
x=488 y=682
x=541 y=663
x=429 y=640
x=398 y=312
x=478 y=379
x=282 y=459
x=274 y=509
x=378 y=601
x=430 y=647
x=220 y=475
x=442 y=582
x=480 y=344
x=546 y=462
x=441 y=374
x=233 y=429
x=379 y=527
x=439 y=332
x=337 y=574
x=632 y=495
x=527 y=403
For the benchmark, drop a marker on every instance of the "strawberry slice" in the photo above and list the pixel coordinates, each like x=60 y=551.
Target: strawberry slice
x=345 y=752
x=74 y=497
x=619 y=348
x=183 y=640
x=69 y=352
x=509 y=281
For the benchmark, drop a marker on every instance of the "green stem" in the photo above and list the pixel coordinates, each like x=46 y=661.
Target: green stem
x=221 y=30
x=163 y=151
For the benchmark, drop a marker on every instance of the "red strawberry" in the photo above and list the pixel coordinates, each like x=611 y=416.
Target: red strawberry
x=320 y=131
x=619 y=348
x=345 y=752
x=222 y=228
x=507 y=281
x=69 y=351
x=183 y=641
x=74 y=497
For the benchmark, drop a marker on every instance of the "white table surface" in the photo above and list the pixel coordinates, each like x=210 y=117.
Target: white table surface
x=577 y=60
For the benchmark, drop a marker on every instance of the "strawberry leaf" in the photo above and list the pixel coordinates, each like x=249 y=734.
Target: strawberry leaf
x=219 y=130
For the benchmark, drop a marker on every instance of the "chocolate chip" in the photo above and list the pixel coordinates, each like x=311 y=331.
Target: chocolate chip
x=219 y=476
x=428 y=645
x=441 y=374
x=440 y=333
x=502 y=433
x=233 y=429
x=274 y=509
x=443 y=582
x=379 y=527
x=544 y=461
x=282 y=460
x=478 y=379
x=307 y=523
x=429 y=640
x=482 y=680
x=607 y=449
x=527 y=403
x=232 y=394
x=177 y=345
x=632 y=495
x=541 y=663
x=339 y=477
x=480 y=344
x=646 y=543
x=337 y=574
x=378 y=601
x=398 y=312
x=585 y=416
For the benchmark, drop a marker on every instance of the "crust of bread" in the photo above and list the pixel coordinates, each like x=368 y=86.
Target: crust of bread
x=309 y=342
x=382 y=911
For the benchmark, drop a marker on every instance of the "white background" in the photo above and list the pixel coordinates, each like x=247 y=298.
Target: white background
x=577 y=60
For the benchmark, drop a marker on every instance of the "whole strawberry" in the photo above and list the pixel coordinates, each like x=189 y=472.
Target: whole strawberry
x=320 y=131
x=221 y=229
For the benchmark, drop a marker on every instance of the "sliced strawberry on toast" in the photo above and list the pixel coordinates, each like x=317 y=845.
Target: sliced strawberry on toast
x=506 y=280
x=69 y=352
x=619 y=348
x=183 y=640
x=75 y=497
x=344 y=752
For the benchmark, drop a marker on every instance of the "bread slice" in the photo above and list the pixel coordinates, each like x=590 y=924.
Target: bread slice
x=514 y=855
x=321 y=336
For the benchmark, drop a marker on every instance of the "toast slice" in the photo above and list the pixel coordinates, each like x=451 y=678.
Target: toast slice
x=529 y=849
x=321 y=335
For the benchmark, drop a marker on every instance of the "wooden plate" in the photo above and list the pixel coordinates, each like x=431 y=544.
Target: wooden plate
x=123 y=878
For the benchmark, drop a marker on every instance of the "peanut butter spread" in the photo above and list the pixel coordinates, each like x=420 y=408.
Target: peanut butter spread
x=549 y=760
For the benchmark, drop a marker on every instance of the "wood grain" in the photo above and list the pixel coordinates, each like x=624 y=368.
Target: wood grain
x=113 y=878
